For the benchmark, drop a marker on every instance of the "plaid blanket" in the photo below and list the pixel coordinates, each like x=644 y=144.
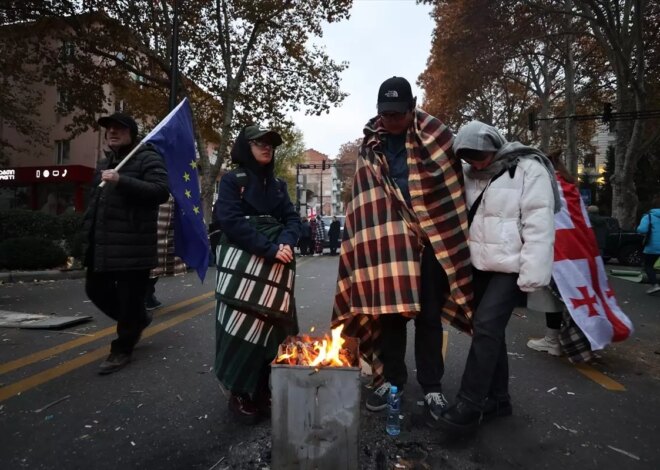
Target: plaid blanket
x=574 y=343
x=252 y=284
x=379 y=266
x=168 y=264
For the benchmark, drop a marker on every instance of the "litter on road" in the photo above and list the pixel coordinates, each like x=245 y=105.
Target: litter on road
x=52 y=403
x=621 y=451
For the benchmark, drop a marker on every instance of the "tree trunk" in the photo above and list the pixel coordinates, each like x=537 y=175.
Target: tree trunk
x=624 y=193
x=571 y=154
x=624 y=44
x=545 y=127
x=210 y=177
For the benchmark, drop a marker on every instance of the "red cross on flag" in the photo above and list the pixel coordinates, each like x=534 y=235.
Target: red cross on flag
x=579 y=273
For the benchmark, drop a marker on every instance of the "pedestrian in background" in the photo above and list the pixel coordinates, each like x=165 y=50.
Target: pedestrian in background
x=318 y=234
x=597 y=221
x=512 y=195
x=260 y=228
x=333 y=235
x=649 y=225
x=404 y=254
x=168 y=263
x=305 y=241
x=121 y=224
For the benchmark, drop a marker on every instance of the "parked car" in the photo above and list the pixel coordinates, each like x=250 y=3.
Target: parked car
x=624 y=245
x=327 y=220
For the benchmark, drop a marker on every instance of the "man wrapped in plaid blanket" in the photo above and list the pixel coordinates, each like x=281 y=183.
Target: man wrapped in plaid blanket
x=404 y=254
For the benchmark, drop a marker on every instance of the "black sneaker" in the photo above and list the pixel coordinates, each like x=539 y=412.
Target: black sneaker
x=152 y=303
x=377 y=400
x=435 y=403
x=114 y=362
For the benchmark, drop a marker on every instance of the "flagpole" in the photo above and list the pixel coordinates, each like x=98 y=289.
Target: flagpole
x=126 y=158
x=148 y=136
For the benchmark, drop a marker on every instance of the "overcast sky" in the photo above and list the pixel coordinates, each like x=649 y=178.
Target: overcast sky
x=381 y=39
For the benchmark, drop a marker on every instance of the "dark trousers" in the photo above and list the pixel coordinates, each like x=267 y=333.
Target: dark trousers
x=649 y=261
x=150 y=288
x=487 y=369
x=428 y=332
x=120 y=295
x=305 y=245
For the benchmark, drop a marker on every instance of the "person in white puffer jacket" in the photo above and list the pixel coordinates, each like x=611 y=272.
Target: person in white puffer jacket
x=512 y=196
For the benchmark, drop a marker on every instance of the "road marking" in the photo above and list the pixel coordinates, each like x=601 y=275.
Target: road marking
x=35 y=380
x=46 y=353
x=600 y=378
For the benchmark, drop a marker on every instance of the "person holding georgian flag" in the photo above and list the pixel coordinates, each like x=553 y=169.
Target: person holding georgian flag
x=580 y=287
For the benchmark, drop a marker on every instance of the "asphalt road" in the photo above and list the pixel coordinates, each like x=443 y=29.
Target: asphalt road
x=166 y=410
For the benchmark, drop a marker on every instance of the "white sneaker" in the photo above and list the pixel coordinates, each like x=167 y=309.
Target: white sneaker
x=654 y=289
x=546 y=344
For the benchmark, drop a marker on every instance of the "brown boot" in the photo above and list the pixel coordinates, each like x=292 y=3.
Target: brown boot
x=114 y=362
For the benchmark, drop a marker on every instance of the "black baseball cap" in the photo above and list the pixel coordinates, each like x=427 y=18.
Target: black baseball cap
x=395 y=95
x=256 y=132
x=123 y=120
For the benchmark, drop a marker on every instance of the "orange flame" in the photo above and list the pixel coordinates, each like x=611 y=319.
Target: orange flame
x=316 y=352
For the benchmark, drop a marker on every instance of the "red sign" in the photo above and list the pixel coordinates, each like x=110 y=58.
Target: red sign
x=47 y=174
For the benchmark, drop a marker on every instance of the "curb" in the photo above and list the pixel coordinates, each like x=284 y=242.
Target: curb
x=47 y=275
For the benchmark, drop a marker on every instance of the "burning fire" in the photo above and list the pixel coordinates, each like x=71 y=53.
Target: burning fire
x=316 y=352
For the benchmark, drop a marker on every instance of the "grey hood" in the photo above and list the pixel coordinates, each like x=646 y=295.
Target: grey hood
x=476 y=135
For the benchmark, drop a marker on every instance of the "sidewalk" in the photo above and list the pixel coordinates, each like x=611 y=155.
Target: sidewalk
x=45 y=275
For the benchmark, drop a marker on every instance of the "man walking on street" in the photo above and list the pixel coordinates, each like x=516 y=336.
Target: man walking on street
x=405 y=252
x=120 y=224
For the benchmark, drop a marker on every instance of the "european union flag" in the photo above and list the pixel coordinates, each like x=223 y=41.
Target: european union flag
x=174 y=139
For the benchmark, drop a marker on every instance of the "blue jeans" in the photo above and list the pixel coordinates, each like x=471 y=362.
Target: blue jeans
x=486 y=371
x=649 y=261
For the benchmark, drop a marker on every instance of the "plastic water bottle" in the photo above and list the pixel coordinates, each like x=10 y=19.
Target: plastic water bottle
x=393 y=426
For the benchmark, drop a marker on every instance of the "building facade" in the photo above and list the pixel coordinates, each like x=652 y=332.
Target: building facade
x=318 y=185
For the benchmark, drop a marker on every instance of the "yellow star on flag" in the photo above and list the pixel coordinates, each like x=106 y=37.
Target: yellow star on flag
x=196 y=209
x=193 y=164
x=187 y=193
x=186 y=176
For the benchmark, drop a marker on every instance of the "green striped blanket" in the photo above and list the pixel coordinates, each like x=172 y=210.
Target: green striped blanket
x=253 y=284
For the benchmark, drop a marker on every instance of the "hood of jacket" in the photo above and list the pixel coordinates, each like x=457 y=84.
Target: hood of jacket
x=477 y=135
x=241 y=154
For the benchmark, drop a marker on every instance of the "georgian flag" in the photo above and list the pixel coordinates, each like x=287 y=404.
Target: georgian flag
x=579 y=273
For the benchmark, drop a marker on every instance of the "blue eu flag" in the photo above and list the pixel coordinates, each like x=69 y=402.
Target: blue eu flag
x=174 y=139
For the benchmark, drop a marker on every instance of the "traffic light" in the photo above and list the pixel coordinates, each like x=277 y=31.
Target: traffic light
x=323 y=164
x=531 y=121
x=607 y=112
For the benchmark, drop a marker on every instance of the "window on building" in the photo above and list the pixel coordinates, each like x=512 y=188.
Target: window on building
x=590 y=161
x=62 y=101
x=63 y=148
x=120 y=105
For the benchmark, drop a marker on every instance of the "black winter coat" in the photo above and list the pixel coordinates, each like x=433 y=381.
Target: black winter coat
x=121 y=220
